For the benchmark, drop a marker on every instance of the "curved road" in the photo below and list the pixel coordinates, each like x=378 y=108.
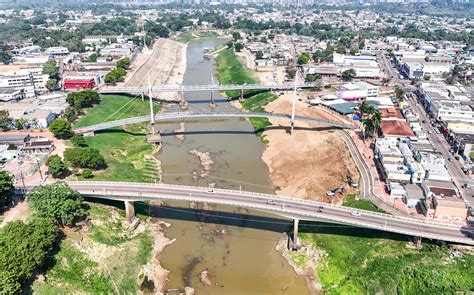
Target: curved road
x=284 y=206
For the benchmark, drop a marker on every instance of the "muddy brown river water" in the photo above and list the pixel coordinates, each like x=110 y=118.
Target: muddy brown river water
x=235 y=246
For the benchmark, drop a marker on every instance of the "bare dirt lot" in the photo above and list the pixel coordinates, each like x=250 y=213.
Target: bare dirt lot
x=311 y=161
x=166 y=65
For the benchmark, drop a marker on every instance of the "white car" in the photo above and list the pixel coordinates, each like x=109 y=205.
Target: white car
x=355 y=213
x=330 y=193
x=271 y=202
x=210 y=191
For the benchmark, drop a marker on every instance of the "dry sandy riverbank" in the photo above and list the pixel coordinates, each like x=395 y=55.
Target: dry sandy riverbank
x=311 y=161
x=166 y=65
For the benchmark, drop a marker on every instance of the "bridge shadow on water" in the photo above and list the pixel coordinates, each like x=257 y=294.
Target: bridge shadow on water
x=223 y=132
x=253 y=220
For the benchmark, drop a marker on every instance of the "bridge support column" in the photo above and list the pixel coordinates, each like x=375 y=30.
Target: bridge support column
x=417 y=241
x=90 y=133
x=295 y=244
x=212 y=104
x=143 y=96
x=129 y=211
x=241 y=95
x=292 y=127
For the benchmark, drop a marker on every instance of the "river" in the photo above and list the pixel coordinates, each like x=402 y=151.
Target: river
x=235 y=246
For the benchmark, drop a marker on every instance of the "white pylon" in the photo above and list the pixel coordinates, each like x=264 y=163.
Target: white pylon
x=293 y=104
x=152 y=116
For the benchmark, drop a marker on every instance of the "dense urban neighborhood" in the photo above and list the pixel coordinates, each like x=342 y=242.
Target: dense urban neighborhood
x=331 y=143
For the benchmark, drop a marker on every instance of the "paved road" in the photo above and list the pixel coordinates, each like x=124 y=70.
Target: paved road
x=196 y=115
x=284 y=206
x=437 y=140
x=366 y=188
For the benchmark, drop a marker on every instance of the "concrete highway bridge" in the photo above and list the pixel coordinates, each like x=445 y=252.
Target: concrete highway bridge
x=206 y=115
x=297 y=209
x=210 y=87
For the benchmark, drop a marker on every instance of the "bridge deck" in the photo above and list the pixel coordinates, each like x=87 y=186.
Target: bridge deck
x=284 y=206
x=194 y=115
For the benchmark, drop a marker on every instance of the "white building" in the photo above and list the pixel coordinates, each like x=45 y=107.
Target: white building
x=357 y=91
x=57 y=51
x=27 y=80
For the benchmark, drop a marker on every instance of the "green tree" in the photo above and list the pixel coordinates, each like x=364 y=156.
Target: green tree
x=371 y=118
x=83 y=99
x=92 y=57
x=51 y=84
x=84 y=158
x=236 y=36
x=303 y=59
x=6 y=187
x=60 y=127
x=50 y=68
x=259 y=55
x=87 y=173
x=25 y=249
x=230 y=44
x=4 y=120
x=312 y=77
x=21 y=123
x=123 y=63
x=348 y=75
x=78 y=140
x=58 y=202
x=238 y=47
x=399 y=93
x=56 y=166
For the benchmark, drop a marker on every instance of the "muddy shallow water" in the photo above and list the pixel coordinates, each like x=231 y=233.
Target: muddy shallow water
x=235 y=246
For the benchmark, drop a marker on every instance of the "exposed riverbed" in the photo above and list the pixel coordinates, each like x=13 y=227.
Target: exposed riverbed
x=233 y=252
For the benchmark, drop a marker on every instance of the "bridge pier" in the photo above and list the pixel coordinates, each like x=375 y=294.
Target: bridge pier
x=293 y=243
x=417 y=241
x=212 y=104
x=241 y=95
x=129 y=211
x=90 y=133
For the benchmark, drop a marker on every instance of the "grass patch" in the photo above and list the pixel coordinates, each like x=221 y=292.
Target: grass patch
x=74 y=272
x=350 y=201
x=124 y=148
x=362 y=261
x=231 y=71
x=186 y=37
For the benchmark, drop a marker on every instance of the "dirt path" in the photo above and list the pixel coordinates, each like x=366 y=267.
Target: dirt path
x=20 y=211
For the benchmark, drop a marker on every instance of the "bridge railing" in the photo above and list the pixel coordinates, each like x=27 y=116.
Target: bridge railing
x=265 y=196
x=295 y=213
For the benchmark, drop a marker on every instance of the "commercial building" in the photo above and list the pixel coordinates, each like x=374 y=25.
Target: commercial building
x=28 y=80
x=357 y=91
x=78 y=83
x=57 y=51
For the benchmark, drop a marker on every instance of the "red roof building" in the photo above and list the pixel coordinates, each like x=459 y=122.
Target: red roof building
x=396 y=128
x=77 y=84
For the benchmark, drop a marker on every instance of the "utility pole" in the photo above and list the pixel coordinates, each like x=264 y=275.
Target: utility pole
x=152 y=116
x=293 y=104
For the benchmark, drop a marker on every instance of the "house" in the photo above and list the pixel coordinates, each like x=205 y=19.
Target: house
x=10 y=94
x=414 y=195
x=37 y=145
x=15 y=139
x=396 y=128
